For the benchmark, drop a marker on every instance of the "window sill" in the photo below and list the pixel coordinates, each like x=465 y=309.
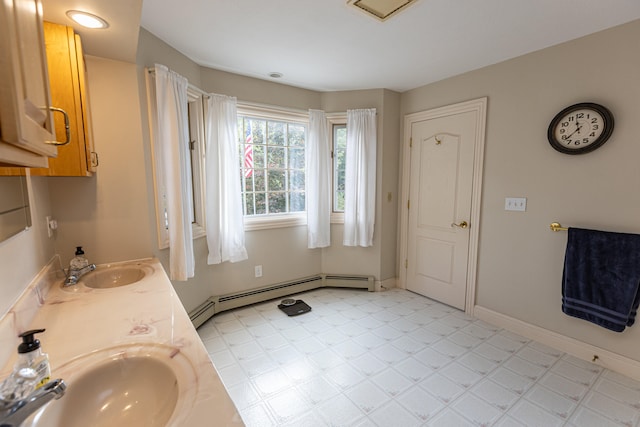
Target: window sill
x=274 y=221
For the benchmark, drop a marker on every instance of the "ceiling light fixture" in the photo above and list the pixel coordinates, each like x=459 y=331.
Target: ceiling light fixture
x=87 y=20
x=275 y=75
x=381 y=9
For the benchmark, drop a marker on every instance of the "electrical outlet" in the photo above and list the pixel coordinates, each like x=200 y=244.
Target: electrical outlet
x=258 y=270
x=515 y=204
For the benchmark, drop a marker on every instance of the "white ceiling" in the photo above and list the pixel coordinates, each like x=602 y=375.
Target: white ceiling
x=327 y=45
x=119 y=41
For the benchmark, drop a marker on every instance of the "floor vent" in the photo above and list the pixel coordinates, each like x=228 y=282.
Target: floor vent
x=217 y=304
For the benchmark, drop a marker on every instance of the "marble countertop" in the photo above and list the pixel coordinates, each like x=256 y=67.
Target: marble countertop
x=81 y=322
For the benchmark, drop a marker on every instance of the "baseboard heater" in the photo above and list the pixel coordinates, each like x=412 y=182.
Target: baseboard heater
x=217 y=304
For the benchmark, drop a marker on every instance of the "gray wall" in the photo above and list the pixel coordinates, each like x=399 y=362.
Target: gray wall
x=520 y=260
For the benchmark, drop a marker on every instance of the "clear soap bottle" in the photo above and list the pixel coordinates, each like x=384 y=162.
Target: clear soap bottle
x=79 y=261
x=31 y=371
x=30 y=356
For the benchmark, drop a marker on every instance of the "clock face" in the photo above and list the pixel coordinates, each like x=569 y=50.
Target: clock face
x=580 y=128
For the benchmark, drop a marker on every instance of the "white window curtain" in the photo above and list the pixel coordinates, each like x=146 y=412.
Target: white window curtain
x=360 y=178
x=318 y=180
x=223 y=204
x=173 y=168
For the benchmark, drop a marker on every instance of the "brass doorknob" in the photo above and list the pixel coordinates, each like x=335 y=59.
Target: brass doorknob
x=463 y=224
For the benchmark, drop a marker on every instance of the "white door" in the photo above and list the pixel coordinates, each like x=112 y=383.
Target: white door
x=441 y=184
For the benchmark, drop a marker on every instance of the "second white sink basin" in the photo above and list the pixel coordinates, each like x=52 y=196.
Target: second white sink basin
x=114 y=276
x=108 y=276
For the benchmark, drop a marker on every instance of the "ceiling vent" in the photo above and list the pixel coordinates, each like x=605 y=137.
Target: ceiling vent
x=381 y=9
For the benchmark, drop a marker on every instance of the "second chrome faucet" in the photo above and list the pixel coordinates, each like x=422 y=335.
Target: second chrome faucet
x=78 y=267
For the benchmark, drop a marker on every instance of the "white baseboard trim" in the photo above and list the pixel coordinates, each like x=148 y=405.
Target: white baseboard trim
x=579 y=349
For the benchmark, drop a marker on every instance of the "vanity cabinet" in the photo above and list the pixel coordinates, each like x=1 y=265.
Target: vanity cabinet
x=26 y=122
x=67 y=79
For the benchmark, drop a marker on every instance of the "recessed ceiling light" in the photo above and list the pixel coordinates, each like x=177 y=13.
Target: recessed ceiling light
x=275 y=75
x=87 y=20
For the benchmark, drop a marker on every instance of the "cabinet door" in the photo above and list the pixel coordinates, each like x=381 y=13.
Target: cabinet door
x=67 y=80
x=24 y=89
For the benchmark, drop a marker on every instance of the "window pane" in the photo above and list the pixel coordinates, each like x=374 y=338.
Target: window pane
x=276 y=180
x=296 y=135
x=277 y=203
x=261 y=205
x=277 y=133
x=259 y=180
x=296 y=180
x=258 y=130
x=249 y=206
x=339 y=202
x=275 y=157
x=296 y=201
x=258 y=156
x=339 y=161
x=296 y=158
x=248 y=180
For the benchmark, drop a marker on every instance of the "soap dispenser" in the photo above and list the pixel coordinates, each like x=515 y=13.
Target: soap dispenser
x=31 y=371
x=30 y=355
x=79 y=261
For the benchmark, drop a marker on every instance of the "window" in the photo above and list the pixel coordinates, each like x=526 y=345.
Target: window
x=338 y=154
x=196 y=109
x=272 y=162
x=338 y=135
x=196 y=106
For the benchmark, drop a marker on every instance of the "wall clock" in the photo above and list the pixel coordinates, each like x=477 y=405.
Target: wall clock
x=580 y=128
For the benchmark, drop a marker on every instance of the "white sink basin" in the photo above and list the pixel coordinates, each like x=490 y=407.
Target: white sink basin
x=142 y=385
x=108 y=276
x=114 y=276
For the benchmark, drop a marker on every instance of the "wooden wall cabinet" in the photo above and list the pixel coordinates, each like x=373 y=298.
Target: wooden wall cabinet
x=67 y=79
x=26 y=122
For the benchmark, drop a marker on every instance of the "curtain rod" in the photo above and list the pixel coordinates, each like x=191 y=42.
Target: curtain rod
x=246 y=104
x=152 y=71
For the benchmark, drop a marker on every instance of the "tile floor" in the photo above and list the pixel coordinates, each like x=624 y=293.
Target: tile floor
x=395 y=358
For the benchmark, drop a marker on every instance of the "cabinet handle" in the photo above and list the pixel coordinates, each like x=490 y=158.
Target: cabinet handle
x=95 y=160
x=66 y=127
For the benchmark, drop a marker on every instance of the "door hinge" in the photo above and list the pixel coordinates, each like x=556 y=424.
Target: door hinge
x=406 y=263
x=192 y=145
x=410 y=142
x=408 y=204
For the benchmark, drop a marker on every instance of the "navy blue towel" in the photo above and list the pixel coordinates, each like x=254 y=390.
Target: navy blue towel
x=601 y=277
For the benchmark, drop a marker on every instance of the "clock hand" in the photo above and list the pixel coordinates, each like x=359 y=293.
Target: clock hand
x=571 y=134
x=579 y=127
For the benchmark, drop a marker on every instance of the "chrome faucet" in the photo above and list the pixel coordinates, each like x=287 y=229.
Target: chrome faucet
x=75 y=274
x=14 y=412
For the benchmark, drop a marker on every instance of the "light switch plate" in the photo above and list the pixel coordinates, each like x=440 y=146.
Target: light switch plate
x=515 y=204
